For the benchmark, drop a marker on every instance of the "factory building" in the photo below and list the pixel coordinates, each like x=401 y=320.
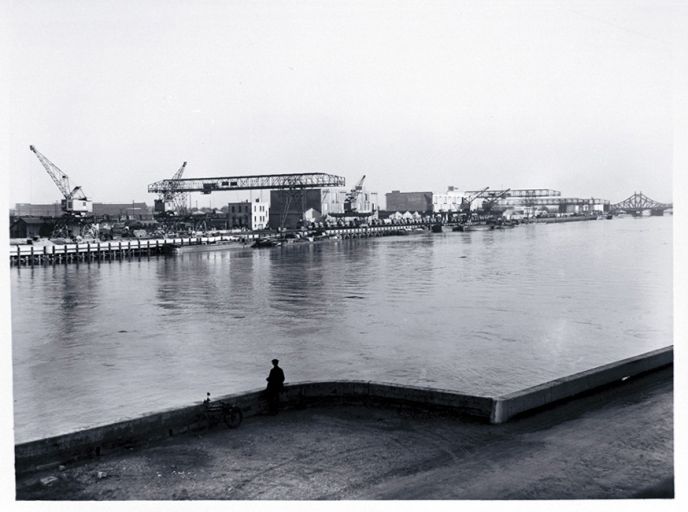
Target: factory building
x=246 y=214
x=409 y=201
x=363 y=204
x=531 y=202
x=134 y=210
x=37 y=210
x=130 y=211
x=449 y=201
x=573 y=205
x=29 y=227
x=288 y=207
x=516 y=199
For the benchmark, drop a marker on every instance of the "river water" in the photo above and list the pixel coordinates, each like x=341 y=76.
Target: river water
x=481 y=312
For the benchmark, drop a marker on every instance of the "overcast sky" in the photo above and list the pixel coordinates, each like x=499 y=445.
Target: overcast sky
x=574 y=96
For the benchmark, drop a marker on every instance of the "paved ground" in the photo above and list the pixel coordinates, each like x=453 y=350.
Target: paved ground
x=613 y=444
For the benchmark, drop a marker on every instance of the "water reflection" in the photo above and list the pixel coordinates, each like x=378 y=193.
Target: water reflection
x=480 y=312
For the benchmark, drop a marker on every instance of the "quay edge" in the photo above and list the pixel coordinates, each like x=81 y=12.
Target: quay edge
x=512 y=404
x=95 y=252
x=101 y=440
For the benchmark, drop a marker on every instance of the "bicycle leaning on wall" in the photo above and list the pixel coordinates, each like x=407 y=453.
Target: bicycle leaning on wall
x=217 y=410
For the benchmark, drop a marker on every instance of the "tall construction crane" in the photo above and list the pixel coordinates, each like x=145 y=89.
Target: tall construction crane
x=169 y=193
x=350 y=202
x=75 y=201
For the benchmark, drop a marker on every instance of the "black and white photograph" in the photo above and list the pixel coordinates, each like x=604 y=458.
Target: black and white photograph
x=389 y=253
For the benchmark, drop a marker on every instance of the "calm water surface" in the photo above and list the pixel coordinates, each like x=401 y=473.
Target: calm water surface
x=482 y=312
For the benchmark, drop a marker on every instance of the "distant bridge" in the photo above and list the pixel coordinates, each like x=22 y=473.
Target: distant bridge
x=639 y=202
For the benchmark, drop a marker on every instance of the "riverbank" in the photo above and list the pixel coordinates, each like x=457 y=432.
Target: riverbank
x=136 y=249
x=616 y=443
x=570 y=218
x=32 y=254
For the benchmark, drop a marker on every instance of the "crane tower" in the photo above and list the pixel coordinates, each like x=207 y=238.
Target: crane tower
x=466 y=202
x=169 y=193
x=75 y=201
x=489 y=205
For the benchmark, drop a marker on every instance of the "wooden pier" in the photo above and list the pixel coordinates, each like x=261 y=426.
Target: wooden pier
x=86 y=252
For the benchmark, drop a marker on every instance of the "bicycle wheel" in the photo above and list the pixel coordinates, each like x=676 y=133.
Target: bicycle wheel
x=233 y=417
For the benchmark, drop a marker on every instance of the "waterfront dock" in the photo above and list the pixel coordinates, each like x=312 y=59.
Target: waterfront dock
x=114 y=250
x=88 y=252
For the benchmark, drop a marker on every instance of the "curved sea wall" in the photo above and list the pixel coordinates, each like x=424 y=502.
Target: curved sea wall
x=129 y=433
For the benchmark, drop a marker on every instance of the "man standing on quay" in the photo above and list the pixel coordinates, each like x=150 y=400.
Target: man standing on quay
x=275 y=384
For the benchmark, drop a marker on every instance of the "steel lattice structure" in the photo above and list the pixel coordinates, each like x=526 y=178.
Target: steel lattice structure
x=520 y=192
x=171 y=195
x=566 y=200
x=268 y=181
x=639 y=201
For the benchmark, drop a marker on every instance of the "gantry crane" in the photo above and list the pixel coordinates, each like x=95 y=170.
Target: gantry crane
x=294 y=185
x=291 y=181
x=169 y=193
x=75 y=201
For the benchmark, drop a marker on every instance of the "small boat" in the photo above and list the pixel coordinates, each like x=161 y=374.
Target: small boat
x=265 y=242
x=215 y=246
x=506 y=224
x=473 y=227
x=300 y=240
x=436 y=228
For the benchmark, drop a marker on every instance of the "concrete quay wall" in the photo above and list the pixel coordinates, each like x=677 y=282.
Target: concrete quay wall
x=509 y=405
x=130 y=433
x=101 y=440
x=308 y=394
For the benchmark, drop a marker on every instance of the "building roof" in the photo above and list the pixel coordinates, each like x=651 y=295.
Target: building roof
x=120 y=209
x=30 y=220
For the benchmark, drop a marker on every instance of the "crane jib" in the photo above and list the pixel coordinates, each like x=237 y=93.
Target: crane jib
x=75 y=200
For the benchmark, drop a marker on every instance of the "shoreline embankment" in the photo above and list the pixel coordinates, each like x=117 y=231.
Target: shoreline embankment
x=28 y=254
x=101 y=440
